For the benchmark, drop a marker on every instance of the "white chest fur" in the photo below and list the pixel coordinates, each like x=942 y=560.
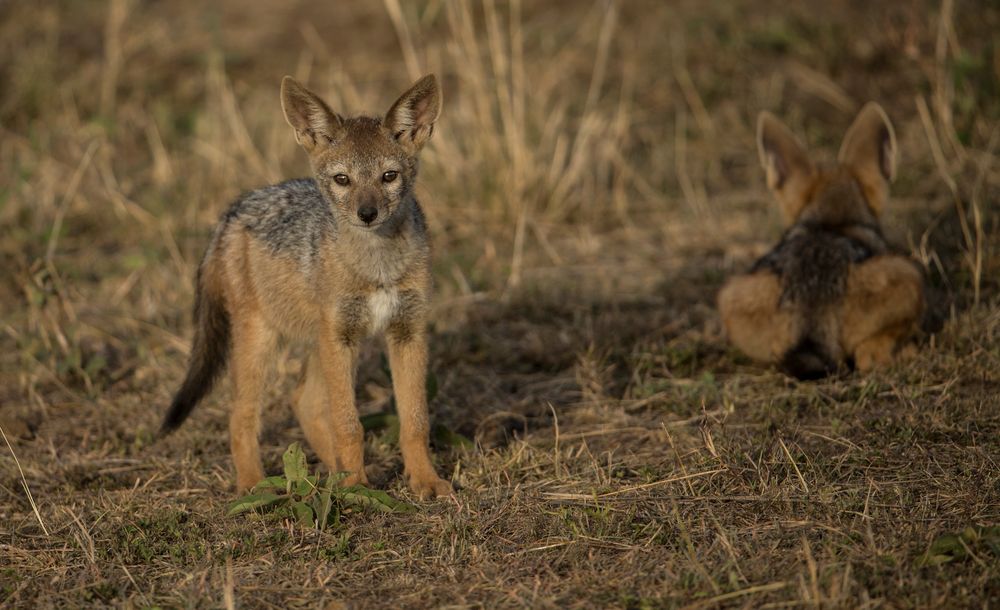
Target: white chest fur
x=382 y=305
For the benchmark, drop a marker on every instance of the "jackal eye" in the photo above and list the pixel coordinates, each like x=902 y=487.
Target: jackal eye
x=342 y=179
x=389 y=176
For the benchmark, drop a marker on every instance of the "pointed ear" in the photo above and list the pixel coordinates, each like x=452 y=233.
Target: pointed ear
x=411 y=119
x=869 y=151
x=790 y=172
x=313 y=121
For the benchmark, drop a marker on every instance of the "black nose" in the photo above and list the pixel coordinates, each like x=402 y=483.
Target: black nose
x=367 y=213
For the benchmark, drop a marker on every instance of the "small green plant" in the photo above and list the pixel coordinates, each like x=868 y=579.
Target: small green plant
x=302 y=496
x=953 y=547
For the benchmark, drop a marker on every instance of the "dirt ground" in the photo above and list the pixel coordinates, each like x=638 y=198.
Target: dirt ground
x=592 y=181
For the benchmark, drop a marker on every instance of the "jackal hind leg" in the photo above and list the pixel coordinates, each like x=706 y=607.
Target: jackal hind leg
x=252 y=344
x=311 y=404
x=750 y=307
x=881 y=309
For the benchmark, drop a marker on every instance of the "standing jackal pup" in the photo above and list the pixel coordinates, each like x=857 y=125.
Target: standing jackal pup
x=330 y=260
x=831 y=291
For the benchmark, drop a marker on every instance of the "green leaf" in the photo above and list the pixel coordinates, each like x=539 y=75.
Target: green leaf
x=306 y=486
x=321 y=505
x=444 y=436
x=379 y=421
x=252 y=501
x=364 y=498
x=952 y=547
x=334 y=478
x=295 y=463
x=304 y=514
x=275 y=482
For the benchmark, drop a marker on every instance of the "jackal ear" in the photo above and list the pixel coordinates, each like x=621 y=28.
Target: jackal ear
x=411 y=119
x=789 y=170
x=313 y=121
x=869 y=151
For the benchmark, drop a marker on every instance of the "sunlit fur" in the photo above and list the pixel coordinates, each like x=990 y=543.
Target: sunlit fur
x=296 y=260
x=832 y=292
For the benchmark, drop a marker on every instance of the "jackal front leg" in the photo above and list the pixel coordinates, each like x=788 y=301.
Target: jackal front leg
x=408 y=360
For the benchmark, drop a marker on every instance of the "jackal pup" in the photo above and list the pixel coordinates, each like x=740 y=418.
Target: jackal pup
x=329 y=260
x=831 y=291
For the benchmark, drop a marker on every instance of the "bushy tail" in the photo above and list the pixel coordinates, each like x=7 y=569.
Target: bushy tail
x=808 y=360
x=209 y=353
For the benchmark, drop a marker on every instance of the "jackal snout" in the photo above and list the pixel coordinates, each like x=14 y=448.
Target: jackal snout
x=368 y=210
x=372 y=206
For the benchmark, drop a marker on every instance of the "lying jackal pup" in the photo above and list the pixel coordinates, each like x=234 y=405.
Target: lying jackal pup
x=831 y=291
x=329 y=260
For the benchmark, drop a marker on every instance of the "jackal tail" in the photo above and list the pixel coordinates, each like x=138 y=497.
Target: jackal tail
x=209 y=353
x=808 y=360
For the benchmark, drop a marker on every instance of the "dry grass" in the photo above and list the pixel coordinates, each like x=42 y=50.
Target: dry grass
x=592 y=181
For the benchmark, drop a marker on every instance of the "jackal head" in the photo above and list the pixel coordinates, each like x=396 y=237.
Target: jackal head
x=853 y=190
x=365 y=166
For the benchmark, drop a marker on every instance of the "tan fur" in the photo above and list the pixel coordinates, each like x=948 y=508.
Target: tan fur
x=789 y=171
x=752 y=318
x=882 y=301
x=869 y=152
x=331 y=285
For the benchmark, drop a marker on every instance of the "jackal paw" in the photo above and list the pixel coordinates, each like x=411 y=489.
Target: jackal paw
x=246 y=480
x=431 y=487
x=356 y=478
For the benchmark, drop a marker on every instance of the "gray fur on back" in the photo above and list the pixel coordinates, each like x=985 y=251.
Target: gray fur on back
x=813 y=261
x=815 y=254
x=294 y=220
x=291 y=217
